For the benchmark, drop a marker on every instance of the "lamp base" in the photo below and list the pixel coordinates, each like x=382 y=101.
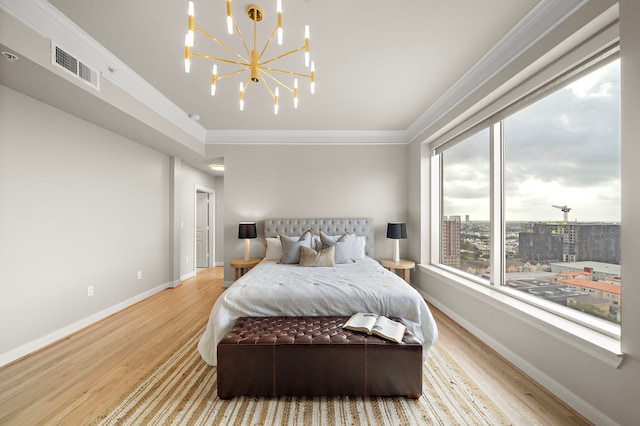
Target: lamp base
x=247 y=249
x=396 y=251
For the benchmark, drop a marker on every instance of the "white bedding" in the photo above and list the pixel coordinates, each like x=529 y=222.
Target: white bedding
x=273 y=289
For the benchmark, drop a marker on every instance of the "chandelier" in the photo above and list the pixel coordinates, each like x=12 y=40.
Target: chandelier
x=259 y=69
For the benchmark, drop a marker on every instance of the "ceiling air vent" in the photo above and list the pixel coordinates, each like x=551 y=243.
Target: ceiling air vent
x=70 y=63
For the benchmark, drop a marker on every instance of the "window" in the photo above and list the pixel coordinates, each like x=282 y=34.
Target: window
x=464 y=229
x=549 y=231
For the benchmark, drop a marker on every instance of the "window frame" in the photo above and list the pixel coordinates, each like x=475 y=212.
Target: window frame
x=593 y=326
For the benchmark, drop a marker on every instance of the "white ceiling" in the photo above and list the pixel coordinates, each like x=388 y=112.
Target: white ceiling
x=383 y=68
x=379 y=64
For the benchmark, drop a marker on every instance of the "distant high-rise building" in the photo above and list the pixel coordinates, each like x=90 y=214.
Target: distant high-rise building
x=451 y=235
x=466 y=218
x=571 y=242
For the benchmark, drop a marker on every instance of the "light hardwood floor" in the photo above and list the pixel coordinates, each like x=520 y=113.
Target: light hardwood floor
x=75 y=379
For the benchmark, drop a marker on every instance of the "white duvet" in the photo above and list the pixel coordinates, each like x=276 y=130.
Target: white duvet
x=273 y=289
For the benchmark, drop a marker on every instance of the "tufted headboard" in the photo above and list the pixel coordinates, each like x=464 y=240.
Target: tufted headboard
x=293 y=227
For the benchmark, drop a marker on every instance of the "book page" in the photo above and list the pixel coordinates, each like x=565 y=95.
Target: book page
x=361 y=322
x=389 y=329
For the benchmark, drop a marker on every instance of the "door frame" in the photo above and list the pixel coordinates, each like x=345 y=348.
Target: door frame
x=212 y=224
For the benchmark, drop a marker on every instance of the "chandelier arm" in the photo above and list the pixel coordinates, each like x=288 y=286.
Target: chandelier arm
x=286 y=72
x=278 y=81
x=214 y=58
x=268 y=42
x=233 y=73
x=291 y=52
x=268 y=88
x=206 y=34
x=244 y=42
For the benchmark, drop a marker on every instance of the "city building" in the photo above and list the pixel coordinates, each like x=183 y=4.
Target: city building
x=451 y=236
x=571 y=242
x=599 y=271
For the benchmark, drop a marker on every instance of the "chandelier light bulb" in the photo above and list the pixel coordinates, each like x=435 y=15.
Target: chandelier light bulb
x=276 y=97
x=313 y=77
x=214 y=78
x=188 y=41
x=229 y=18
x=279 y=12
x=241 y=96
x=187 y=59
x=295 y=93
x=306 y=46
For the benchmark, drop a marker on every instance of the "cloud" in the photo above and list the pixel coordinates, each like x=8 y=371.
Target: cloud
x=564 y=148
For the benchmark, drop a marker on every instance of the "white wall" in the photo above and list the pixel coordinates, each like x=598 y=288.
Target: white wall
x=272 y=181
x=79 y=206
x=603 y=393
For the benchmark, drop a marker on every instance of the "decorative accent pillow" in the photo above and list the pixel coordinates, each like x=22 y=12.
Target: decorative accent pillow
x=274 y=249
x=291 y=247
x=349 y=247
x=310 y=257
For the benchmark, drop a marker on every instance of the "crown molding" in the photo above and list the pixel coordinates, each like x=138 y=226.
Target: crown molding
x=313 y=137
x=542 y=19
x=46 y=20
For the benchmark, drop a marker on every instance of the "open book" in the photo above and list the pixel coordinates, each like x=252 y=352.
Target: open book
x=376 y=324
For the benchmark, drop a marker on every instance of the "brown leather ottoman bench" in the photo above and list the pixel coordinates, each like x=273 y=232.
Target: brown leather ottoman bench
x=315 y=356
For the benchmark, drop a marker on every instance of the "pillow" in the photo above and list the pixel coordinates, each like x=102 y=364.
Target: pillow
x=310 y=257
x=329 y=240
x=317 y=243
x=348 y=248
x=274 y=249
x=291 y=247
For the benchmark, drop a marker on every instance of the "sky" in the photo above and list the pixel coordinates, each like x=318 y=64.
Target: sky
x=561 y=150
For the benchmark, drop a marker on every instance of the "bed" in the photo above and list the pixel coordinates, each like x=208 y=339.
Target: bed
x=361 y=285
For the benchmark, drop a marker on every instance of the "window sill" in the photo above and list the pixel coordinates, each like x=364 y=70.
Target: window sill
x=593 y=342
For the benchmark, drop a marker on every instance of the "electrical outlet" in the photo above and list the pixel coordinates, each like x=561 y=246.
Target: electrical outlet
x=139 y=275
x=90 y=291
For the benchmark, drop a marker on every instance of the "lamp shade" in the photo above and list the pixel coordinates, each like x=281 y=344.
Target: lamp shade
x=247 y=230
x=396 y=230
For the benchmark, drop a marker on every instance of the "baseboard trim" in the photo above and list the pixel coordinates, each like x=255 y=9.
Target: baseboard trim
x=581 y=406
x=44 y=341
x=187 y=275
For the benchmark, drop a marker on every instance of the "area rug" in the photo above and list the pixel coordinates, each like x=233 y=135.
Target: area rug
x=182 y=391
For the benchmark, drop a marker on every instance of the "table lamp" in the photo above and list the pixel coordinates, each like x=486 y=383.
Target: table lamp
x=396 y=231
x=247 y=231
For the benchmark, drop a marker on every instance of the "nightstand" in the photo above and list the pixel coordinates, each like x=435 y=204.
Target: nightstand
x=241 y=266
x=402 y=265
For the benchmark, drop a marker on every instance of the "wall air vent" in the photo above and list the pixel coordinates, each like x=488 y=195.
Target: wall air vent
x=70 y=63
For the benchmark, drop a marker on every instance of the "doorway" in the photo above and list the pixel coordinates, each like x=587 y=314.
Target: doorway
x=204 y=232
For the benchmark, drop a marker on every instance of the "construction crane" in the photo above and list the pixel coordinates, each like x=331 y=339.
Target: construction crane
x=565 y=210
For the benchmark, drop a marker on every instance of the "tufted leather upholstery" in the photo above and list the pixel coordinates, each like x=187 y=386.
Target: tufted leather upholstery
x=314 y=356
